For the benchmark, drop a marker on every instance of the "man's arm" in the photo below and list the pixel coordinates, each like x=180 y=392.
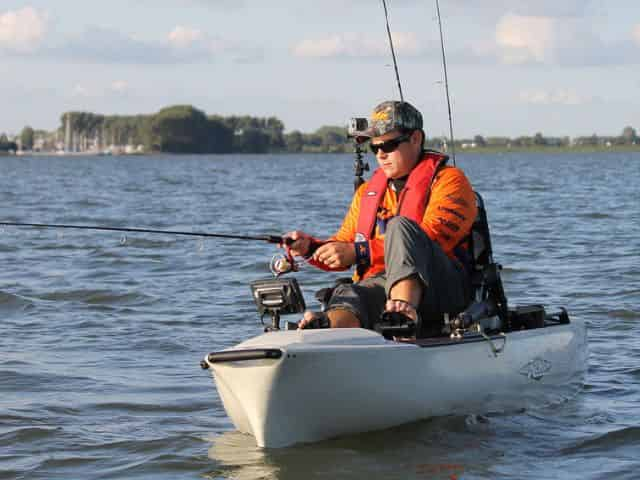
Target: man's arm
x=338 y=252
x=451 y=209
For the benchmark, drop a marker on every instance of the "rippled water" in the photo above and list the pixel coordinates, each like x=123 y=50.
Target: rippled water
x=102 y=333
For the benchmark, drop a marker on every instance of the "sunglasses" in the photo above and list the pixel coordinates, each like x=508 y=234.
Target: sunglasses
x=390 y=145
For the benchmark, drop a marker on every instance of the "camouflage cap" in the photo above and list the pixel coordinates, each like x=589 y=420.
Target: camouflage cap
x=393 y=115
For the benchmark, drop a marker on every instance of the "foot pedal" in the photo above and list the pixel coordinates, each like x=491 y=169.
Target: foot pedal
x=395 y=324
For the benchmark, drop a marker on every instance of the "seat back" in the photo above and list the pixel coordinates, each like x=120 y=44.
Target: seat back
x=485 y=272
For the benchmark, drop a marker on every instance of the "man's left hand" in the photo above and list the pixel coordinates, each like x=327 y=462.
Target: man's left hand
x=336 y=254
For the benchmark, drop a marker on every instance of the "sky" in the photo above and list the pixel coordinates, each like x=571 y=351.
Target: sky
x=515 y=67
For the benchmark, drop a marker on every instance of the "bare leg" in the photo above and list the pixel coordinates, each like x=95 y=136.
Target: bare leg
x=410 y=291
x=343 y=319
x=337 y=319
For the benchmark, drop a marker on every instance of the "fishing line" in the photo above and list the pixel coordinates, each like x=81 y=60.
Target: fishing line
x=260 y=238
x=446 y=84
x=393 y=52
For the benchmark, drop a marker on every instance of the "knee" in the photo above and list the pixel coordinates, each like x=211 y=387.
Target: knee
x=344 y=297
x=402 y=227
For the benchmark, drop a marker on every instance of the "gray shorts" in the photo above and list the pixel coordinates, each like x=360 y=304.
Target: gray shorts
x=408 y=252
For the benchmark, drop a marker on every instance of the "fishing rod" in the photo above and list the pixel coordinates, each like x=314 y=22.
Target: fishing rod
x=446 y=84
x=393 y=52
x=260 y=238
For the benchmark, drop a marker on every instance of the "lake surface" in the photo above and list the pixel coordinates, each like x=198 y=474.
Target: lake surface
x=102 y=333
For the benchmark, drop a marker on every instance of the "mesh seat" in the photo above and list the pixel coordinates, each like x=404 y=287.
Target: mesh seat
x=487 y=291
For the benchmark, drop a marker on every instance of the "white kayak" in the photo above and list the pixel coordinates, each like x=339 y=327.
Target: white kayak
x=287 y=387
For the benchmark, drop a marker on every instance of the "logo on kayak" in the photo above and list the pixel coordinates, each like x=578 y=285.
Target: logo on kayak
x=535 y=369
x=370 y=194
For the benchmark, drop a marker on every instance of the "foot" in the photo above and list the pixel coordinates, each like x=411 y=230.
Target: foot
x=401 y=319
x=313 y=320
x=403 y=307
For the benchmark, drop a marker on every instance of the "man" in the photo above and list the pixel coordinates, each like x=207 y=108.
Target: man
x=405 y=232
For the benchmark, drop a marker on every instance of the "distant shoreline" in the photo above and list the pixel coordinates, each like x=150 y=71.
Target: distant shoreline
x=473 y=150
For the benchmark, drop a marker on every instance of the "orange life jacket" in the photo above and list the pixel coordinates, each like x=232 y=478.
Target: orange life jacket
x=413 y=199
x=412 y=203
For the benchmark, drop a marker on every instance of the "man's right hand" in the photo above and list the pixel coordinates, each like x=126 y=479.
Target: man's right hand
x=301 y=243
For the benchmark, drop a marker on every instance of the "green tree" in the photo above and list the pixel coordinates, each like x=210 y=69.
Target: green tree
x=219 y=136
x=479 y=141
x=251 y=140
x=180 y=129
x=333 y=139
x=538 y=139
x=629 y=135
x=6 y=145
x=294 y=141
x=27 y=138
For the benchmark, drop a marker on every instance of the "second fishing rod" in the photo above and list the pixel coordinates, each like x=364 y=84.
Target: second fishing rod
x=444 y=68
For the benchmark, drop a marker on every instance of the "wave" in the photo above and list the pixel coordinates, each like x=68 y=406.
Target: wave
x=27 y=434
x=624 y=313
x=130 y=407
x=106 y=459
x=628 y=437
x=96 y=297
x=10 y=302
x=594 y=215
x=13 y=380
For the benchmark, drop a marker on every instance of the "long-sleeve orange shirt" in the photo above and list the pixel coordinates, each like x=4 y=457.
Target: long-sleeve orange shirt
x=447 y=219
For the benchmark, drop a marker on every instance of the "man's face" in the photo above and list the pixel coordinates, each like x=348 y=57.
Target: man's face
x=399 y=161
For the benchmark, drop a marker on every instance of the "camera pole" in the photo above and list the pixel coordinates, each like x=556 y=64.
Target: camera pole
x=359 y=166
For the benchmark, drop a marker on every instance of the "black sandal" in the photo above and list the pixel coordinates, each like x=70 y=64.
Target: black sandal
x=397 y=324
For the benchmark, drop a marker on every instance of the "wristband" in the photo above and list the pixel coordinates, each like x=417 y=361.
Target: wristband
x=363 y=256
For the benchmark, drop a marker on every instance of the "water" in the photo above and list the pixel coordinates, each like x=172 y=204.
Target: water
x=102 y=333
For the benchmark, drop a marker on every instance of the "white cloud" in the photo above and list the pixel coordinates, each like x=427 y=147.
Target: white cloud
x=636 y=34
x=119 y=86
x=524 y=39
x=358 y=45
x=80 y=91
x=184 y=37
x=539 y=8
x=182 y=45
x=549 y=41
x=552 y=97
x=22 y=30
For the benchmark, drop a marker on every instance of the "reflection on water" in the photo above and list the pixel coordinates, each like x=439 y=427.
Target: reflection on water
x=435 y=448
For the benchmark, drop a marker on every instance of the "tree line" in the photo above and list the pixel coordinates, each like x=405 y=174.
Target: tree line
x=180 y=129
x=185 y=129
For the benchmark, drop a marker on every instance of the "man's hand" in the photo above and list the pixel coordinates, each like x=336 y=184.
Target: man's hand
x=336 y=254
x=301 y=243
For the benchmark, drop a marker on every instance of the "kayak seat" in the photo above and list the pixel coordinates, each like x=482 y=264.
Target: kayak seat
x=488 y=298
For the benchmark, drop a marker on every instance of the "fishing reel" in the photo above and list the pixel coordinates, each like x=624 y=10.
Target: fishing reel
x=282 y=263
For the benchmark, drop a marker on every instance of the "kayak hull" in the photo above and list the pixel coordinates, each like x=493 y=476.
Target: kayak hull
x=319 y=384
